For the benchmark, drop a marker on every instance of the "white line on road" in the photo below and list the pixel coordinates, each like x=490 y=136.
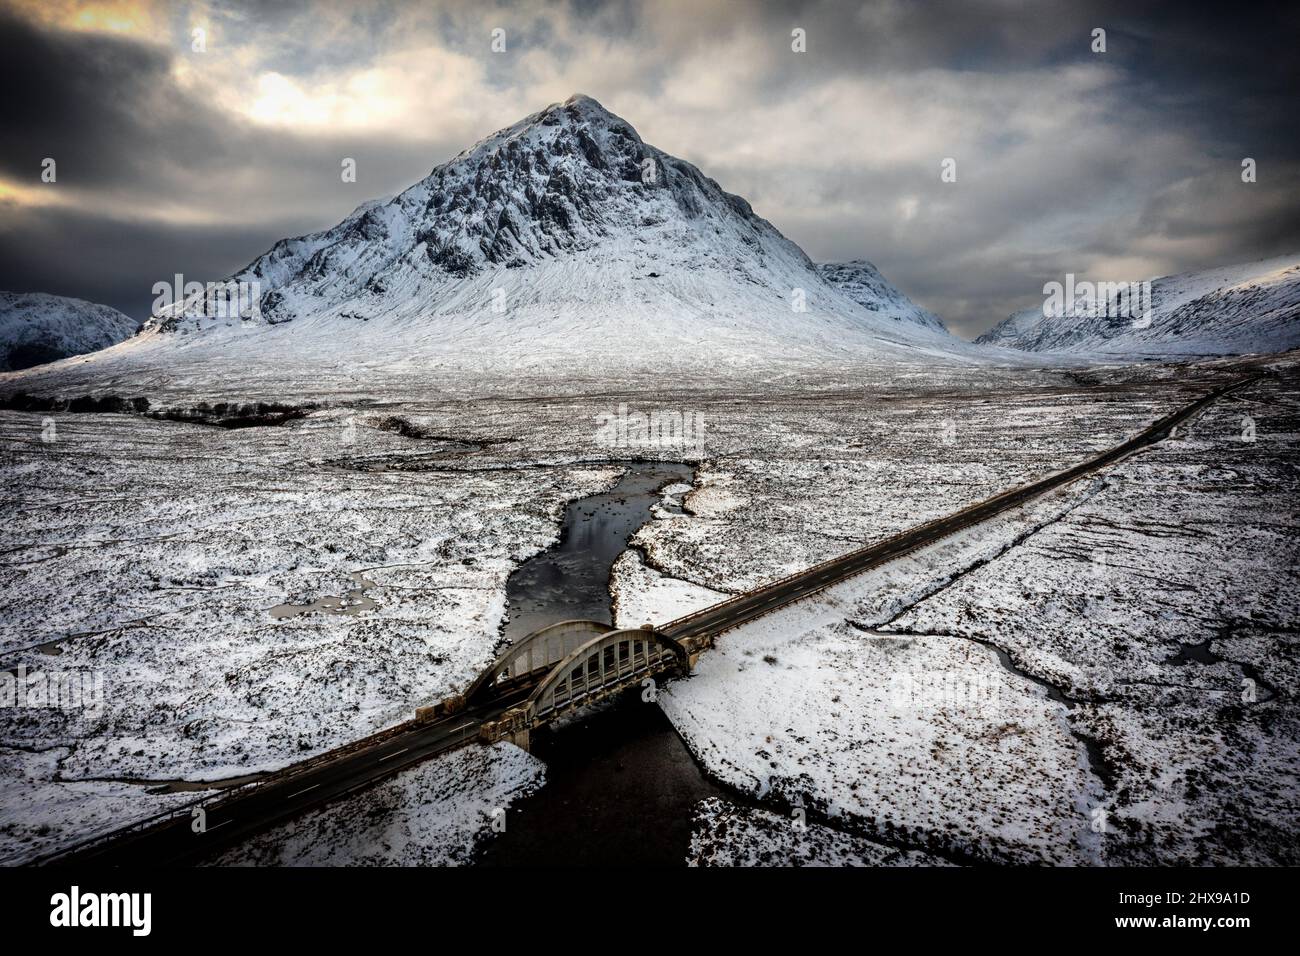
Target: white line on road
x=392 y=755
x=302 y=791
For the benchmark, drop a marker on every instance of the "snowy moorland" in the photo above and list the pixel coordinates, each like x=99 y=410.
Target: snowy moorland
x=1106 y=675
x=727 y=834
x=434 y=814
x=250 y=596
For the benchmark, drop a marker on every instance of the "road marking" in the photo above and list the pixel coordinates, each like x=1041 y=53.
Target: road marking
x=392 y=755
x=302 y=791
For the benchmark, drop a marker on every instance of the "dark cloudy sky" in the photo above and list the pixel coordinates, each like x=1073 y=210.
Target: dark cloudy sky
x=1120 y=165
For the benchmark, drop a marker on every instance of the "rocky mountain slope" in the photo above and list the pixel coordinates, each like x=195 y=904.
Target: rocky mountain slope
x=862 y=282
x=564 y=237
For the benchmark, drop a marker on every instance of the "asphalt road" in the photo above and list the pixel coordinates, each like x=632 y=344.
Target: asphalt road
x=239 y=814
x=230 y=819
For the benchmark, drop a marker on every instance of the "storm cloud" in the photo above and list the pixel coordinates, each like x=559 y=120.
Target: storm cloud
x=1113 y=166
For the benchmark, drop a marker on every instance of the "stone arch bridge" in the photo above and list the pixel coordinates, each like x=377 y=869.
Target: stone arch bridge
x=561 y=667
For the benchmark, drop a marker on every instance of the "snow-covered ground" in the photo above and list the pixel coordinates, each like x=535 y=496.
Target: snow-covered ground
x=171 y=559
x=434 y=814
x=1196 y=542
x=921 y=739
x=1023 y=692
x=41 y=811
x=171 y=563
x=727 y=834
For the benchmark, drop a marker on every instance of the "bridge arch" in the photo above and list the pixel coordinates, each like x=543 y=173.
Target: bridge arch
x=539 y=651
x=607 y=662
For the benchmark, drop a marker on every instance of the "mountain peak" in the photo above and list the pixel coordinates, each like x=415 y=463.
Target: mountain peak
x=556 y=121
x=569 y=225
x=36 y=328
x=569 y=178
x=584 y=102
x=862 y=282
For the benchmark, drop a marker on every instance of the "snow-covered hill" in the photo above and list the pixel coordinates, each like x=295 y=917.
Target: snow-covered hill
x=564 y=238
x=36 y=328
x=1249 y=308
x=862 y=282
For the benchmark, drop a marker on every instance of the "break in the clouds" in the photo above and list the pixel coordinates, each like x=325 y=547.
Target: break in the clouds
x=1116 y=165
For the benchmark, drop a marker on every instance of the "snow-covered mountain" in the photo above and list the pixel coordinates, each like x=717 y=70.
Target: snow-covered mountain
x=36 y=328
x=1249 y=308
x=862 y=282
x=566 y=237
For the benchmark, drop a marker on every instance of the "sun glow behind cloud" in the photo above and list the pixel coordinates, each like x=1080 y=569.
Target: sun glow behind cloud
x=38 y=195
x=401 y=79
x=280 y=100
x=125 y=17
x=378 y=98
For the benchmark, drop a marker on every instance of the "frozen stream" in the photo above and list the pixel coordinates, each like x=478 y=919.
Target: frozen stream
x=571 y=580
